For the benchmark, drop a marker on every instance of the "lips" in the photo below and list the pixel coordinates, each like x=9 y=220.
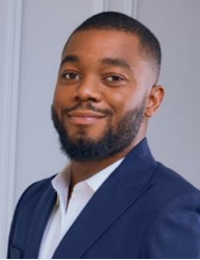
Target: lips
x=84 y=117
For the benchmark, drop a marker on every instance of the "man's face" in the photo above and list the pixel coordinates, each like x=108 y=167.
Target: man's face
x=101 y=93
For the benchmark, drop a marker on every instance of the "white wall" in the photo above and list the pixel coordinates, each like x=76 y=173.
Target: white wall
x=2 y=119
x=10 y=32
x=175 y=133
x=33 y=33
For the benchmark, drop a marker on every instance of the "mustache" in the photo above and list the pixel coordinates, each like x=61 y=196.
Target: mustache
x=89 y=107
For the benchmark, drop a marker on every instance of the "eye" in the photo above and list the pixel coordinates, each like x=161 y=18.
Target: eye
x=71 y=76
x=114 y=78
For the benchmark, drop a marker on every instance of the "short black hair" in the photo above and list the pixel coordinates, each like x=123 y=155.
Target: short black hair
x=150 y=45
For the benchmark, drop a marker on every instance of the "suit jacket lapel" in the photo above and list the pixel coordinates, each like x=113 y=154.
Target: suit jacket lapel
x=39 y=221
x=125 y=185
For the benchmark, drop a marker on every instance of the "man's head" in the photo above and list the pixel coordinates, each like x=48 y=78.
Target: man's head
x=106 y=88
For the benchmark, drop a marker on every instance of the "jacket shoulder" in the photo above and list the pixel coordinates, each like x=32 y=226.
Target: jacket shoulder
x=29 y=199
x=34 y=191
x=167 y=187
x=173 y=232
x=172 y=182
x=24 y=213
x=174 y=229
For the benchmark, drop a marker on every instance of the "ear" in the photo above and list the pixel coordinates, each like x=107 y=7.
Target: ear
x=154 y=101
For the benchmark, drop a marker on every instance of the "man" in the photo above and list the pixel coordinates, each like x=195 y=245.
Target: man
x=113 y=200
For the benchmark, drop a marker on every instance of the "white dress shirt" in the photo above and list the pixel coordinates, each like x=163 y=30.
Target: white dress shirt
x=63 y=215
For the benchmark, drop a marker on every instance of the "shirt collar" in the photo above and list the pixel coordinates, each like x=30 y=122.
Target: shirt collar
x=97 y=179
x=62 y=180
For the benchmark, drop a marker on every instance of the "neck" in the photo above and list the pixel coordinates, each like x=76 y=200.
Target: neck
x=81 y=171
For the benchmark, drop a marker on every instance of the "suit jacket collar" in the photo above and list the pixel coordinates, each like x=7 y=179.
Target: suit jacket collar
x=121 y=190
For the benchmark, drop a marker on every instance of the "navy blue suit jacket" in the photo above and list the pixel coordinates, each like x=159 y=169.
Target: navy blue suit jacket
x=143 y=210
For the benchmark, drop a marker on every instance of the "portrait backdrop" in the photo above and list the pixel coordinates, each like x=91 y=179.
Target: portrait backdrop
x=33 y=33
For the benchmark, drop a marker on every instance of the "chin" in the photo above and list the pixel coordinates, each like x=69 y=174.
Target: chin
x=85 y=134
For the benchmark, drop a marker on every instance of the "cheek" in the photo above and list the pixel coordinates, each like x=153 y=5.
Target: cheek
x=121 y=103
x=125 y=105
x=61 y=99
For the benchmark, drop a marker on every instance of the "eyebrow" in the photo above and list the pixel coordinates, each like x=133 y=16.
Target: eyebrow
x=107 y=61
x=70 y=59
x=116 y=62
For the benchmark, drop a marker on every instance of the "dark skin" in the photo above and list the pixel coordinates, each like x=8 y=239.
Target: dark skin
x=107 y=69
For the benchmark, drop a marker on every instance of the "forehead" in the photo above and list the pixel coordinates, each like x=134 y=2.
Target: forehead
x=98 y=44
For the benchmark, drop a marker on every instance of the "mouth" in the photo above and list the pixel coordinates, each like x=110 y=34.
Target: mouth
x=84 y=117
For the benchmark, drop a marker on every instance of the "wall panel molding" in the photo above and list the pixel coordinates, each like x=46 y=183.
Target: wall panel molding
x=13 y=21
x=106 y=5
x=99 y=6
x=125 y=6
x=135 y=9
x=130 y=7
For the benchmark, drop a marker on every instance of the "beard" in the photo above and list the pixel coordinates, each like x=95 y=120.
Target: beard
x=113 y=140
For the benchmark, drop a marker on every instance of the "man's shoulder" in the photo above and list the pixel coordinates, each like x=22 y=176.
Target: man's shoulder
x=166 y=175
x=172 y=205
x=34 y=192
x=170 y=185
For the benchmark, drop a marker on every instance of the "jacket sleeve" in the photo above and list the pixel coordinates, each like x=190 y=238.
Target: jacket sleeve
x=175 y=232
x=13 y=252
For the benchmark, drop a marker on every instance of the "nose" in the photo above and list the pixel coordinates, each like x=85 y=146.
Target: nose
x=87 y=90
